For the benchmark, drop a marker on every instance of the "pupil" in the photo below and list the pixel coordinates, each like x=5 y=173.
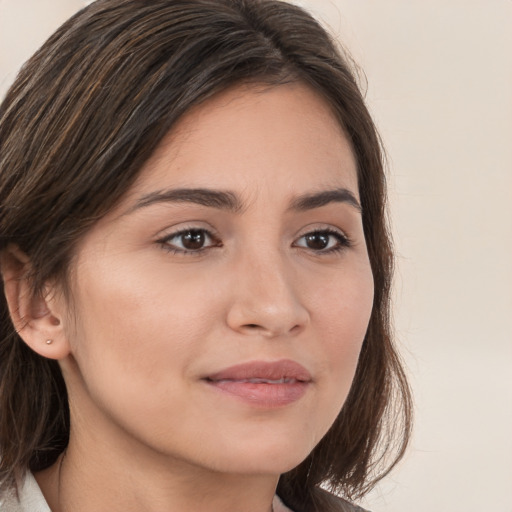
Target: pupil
x=193 y=240
x=317 y=241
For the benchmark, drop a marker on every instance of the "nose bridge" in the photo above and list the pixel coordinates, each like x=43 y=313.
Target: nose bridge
x=266 y=294
x=271 y=281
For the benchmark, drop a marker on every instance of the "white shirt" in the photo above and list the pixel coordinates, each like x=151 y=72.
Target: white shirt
x=31 y=499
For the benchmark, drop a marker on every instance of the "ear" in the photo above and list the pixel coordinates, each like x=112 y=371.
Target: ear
x=38 y=319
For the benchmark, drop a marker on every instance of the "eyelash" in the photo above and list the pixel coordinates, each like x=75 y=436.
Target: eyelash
x=343 y=241
x=165 y=242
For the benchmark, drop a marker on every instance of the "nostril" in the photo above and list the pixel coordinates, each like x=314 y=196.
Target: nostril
x=295 y=329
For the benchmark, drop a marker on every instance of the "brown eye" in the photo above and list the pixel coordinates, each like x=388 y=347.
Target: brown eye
x=190 y=241
x=193 y=240
x=317 y=241
x=323 y=241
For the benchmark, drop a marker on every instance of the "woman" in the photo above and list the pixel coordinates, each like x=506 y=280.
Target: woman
x=196 y=267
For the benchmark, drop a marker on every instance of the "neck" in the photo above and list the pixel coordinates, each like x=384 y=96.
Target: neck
x=105 y=469
x=79 y=484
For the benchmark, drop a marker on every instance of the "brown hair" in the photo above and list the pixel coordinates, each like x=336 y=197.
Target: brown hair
x=84 y=115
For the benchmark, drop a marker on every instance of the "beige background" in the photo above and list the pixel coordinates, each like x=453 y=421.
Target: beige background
x=440 y=88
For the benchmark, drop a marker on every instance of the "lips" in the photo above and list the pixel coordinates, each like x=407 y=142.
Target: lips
x=263 y=384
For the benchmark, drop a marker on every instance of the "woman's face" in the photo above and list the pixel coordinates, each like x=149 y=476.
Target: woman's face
x=218 y=312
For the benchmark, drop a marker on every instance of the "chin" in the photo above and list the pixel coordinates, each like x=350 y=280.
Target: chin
x=260 y=457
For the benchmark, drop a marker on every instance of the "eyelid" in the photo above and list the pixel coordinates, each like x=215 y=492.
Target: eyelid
x=164 y=239
x=344 y=240
x=185 y=226
x=325 y=228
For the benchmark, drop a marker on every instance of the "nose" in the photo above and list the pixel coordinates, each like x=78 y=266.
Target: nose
x=265 y=299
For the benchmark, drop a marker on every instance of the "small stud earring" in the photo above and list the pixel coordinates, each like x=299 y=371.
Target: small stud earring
x=48 y=342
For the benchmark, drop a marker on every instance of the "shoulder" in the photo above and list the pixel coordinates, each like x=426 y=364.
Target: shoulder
x=337 y=504
x=324 y=502
x=28 y=499
x=9 y=502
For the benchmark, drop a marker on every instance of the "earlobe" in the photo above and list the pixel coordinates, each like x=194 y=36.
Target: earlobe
x=35 y=316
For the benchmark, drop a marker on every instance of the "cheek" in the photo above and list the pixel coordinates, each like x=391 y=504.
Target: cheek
x=139 y=327
x=341 y=313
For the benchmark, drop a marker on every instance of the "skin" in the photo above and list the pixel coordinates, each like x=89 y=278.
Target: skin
x=146 y=321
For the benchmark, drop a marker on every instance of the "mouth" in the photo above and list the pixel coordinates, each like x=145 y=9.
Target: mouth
x=263 y=384
x=283 y=380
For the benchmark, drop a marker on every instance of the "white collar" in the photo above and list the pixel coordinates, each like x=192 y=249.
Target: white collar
x=31 y=499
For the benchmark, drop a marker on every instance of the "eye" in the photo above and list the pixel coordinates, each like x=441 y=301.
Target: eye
x=189 y=241
x=324 y=241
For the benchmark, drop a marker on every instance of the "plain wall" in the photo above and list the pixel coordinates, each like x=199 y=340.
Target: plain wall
x=440 y=88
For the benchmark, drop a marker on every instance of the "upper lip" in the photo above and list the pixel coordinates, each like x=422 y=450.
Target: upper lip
x=266 y=370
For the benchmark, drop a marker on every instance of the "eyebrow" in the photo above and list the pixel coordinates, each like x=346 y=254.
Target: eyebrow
x=226 y=200
x=319 y=199
x=206 y=197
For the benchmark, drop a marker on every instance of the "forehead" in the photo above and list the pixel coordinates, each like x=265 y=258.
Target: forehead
x=281 y=138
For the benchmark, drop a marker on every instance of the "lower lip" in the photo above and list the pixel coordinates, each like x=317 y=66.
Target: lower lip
x=262 y=394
